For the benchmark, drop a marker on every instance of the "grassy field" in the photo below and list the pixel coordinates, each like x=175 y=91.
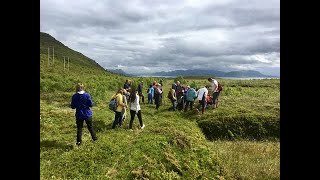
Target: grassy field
x=238 y=140
x=172 y=146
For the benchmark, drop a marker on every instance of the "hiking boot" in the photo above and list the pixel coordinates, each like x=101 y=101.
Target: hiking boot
x=130 y=129
x=78 y=143
x=143 y=126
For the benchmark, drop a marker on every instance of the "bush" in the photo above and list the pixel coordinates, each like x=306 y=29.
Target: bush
x=244 y=126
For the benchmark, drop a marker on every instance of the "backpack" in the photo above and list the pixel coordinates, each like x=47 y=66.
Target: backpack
x=170 y=95
x=219 y=87
x=113 y=104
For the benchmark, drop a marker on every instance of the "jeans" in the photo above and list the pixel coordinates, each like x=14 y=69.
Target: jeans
x=150 y=99
x=89 y=126
x=117 y=119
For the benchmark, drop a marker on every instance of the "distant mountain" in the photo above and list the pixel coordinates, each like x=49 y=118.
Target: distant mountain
x=216 y=73
x=119 y=71
x=189 y=73
x=244 y=73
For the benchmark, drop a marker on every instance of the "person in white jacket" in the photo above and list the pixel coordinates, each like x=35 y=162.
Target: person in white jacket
x=135 y=108
x=201 y=96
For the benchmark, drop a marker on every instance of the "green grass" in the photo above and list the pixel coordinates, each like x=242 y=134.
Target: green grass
x=248 y=159
x=220 y=144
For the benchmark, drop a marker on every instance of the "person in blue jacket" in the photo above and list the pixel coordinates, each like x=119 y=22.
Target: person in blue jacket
x=81 y=101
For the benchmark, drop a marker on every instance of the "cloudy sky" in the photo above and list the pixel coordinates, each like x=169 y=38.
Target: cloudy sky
x=142 y=36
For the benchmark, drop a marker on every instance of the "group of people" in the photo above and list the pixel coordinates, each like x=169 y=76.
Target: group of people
x=180 y=96
x=122 y=98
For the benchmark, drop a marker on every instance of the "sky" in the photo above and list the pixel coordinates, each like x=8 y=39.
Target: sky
x=146 y=36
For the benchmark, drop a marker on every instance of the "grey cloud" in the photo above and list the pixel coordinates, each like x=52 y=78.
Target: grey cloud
x=167 y=35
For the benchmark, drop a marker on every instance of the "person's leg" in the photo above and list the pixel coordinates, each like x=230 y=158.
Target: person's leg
x=140 y=118
x=186 y=106
x=132 y=114
x=173 y=108
x=156 y=101
x=120 y=119
x=149 y=98
x=90 y=128
x=202 y=105
x=117 y=117
x=142 y=97
x=215 y=98
x=79 y=131
x=191 y=105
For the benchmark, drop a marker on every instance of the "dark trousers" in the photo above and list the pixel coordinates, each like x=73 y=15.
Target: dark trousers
x=203 y=105
x=117 y=119
x=215 y=97
x=89 y=126
x=132 y=114
x=187 y=104
x=157 y=100
x=174 y=105
x=142 y=96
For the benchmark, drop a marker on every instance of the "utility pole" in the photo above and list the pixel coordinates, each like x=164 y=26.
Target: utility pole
x=53 y=55
x=48 y=55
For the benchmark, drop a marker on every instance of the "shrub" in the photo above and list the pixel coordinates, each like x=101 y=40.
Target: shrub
x=244 y=126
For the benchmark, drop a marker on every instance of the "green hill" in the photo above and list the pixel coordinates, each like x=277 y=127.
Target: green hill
x=60 y=50
x=173 y=145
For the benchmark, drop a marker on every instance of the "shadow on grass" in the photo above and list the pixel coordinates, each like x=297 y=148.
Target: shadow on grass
x=53 y=144
x=100 y=125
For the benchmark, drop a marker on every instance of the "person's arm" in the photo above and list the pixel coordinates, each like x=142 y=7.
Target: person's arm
x=90 y=102
x=73 y=102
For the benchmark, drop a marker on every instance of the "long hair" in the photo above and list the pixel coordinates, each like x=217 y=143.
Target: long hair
x=133 y=95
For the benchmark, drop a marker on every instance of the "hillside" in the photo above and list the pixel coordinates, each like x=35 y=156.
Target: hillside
x=238 y=140
x=61 y=50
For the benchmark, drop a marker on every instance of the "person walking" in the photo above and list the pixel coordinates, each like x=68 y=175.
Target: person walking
x=81 y=101
x=135 y=108
x=120 y=105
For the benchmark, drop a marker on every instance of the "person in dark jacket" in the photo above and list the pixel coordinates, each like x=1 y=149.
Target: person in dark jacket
x=81 y=101
x=157 y=96
x=140 y=91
